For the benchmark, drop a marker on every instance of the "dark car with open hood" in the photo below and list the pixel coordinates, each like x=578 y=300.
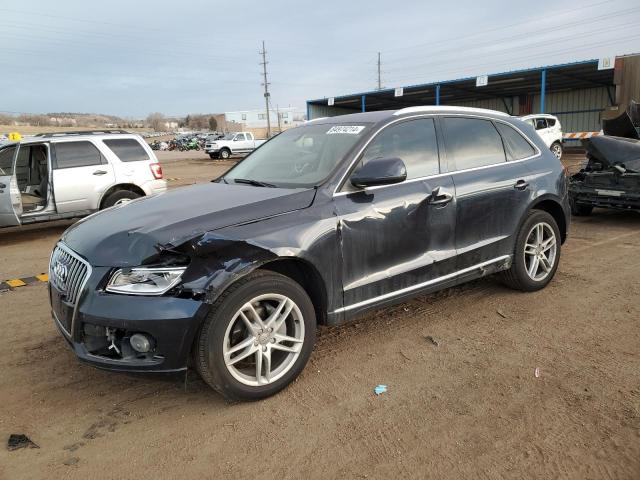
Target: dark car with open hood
x=611 y=177
x=317 y=226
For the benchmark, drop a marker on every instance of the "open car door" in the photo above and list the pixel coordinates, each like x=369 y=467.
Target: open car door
x=10 y=199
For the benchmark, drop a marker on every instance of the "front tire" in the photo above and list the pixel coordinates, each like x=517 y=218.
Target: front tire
x=537 y=253
x=225 y=153
x=257 y=338
x=580 y=210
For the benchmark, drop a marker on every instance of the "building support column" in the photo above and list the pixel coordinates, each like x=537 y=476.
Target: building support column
x=543 y=88
x=364 y=103
x=438 y=94
x=308 y=111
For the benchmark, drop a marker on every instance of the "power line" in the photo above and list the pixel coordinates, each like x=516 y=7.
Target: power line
x=266 y=87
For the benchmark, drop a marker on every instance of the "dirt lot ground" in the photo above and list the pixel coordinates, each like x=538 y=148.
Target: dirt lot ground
x=465 y=406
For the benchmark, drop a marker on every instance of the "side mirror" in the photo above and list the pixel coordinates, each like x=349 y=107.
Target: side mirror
x=379 y=171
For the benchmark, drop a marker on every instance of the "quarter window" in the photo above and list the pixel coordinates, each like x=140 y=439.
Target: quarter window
x=77 y=154
x=551 y=122
x=414 y=142
x=127 y=149
x=516 y=146
x=6 y=160
x=472 y=143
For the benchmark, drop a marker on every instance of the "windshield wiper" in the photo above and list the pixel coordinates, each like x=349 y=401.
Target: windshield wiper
x=256 y=183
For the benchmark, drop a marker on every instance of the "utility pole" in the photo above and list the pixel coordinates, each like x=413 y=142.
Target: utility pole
x=266 y=87
x=379 y=74
x=278 y=113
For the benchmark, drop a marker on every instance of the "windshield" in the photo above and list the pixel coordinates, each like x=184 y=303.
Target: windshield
x=229 y=136
x=299 y=157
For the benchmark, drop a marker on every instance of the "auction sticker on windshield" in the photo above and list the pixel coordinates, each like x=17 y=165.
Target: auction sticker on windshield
x=345 y=129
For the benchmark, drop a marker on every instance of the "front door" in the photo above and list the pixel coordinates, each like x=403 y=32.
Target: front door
x=81 y=174
x=10 y=198
x=397 y=239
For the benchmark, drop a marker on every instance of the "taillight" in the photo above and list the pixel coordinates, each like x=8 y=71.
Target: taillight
x=156 y=170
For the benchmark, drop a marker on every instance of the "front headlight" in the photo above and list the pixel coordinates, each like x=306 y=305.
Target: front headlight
x=145 y=281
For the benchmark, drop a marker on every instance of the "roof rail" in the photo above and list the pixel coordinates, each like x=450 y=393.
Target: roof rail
x=448 y=108
x=81 y=132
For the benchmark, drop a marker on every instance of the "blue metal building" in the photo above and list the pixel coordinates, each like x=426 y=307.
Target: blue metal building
x=579 y=93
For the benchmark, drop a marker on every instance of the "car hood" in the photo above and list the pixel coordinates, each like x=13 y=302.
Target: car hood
x=127 y=235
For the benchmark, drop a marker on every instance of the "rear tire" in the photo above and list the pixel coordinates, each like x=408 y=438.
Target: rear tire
x=231 y=333
x=119 y=197
x=556 y=149
x=536 y=258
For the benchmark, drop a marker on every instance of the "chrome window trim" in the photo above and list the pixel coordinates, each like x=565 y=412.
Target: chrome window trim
x=62 y=246
x=418 y=286
x=340 y=184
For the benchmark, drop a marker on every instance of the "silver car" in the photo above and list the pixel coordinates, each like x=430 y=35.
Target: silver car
x=66 y=175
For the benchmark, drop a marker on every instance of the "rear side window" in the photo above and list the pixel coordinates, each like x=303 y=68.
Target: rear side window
x=77 y=154
x=472 y=143
x=127 y=149
x=414 y=142
x=6 y=160
x=516 y=146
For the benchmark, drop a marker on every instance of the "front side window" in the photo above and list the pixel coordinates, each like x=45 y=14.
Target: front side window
x=299 y=157
x=127 y=149
x=240 y=137
x=6 y=160
x=414 y=142
x=77 y=154
x=517 y=147
x=472 y=143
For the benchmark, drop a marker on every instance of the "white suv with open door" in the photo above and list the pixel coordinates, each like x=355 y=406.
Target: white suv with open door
x=549 y=129
x=65 y=175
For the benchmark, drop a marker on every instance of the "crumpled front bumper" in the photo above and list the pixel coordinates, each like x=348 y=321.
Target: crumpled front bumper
x=172 y=323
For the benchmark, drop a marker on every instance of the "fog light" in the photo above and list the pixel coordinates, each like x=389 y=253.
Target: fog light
x=140 y=342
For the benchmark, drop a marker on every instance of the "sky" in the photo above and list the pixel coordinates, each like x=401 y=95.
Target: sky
x=131 y=58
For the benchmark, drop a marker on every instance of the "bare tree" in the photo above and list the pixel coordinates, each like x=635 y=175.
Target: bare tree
x=156 y=121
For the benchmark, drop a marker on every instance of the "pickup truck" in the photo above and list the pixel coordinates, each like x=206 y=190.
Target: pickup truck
x=231 y=144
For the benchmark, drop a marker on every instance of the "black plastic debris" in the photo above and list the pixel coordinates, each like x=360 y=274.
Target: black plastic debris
x=18 y=440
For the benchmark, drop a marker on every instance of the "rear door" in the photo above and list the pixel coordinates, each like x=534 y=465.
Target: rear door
x=10 y=198
x=492 y=193
x=81 y=175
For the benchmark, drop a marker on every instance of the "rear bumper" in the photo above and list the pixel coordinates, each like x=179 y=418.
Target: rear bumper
x=154 y=187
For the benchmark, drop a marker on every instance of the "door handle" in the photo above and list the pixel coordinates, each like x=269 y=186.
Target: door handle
x=521 y=185
x=440 y=196
x=99 y=172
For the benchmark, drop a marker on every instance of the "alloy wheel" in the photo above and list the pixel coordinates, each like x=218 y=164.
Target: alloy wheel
x=263 y=339
x=557 y=151
x=540 y=251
